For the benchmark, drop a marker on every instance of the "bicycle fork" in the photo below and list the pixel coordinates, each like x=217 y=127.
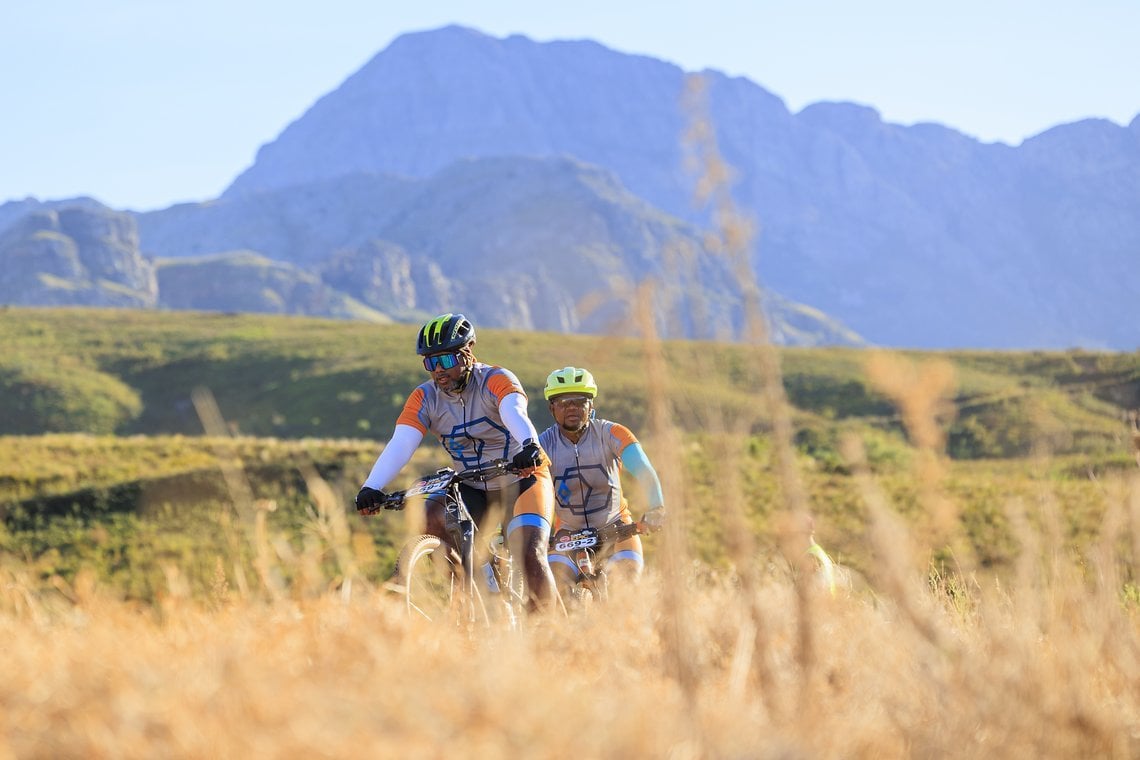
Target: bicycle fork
x=500 y=580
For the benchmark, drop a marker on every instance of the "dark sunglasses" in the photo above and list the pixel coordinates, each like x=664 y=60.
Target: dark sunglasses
x=440 y=361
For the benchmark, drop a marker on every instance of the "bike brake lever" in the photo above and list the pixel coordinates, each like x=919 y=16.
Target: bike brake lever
x=492 y=470
x=395 y=501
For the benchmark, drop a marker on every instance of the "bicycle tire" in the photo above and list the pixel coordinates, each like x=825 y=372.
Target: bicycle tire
x=430 y=580
x=426 y=578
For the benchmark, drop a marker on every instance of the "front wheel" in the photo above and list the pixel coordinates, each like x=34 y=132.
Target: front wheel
x=430 y=578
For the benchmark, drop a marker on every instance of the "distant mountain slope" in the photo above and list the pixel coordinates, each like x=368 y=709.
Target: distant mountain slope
x=301 y=224
x=11 y=211
x=913 y=236
x=540 y=244
x=247 y=282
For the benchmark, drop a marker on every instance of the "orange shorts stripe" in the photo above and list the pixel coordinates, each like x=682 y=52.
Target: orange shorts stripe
x=539 y=498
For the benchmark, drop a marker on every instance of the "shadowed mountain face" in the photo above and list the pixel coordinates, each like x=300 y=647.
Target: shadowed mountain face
x=913 y=236
x=526 y=243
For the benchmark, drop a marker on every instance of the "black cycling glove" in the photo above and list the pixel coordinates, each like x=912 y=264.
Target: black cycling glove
x=529 y=457
x=370 y=501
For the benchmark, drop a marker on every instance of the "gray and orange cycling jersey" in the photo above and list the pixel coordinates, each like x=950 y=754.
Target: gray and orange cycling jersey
x=587 y=475
x=468 y=424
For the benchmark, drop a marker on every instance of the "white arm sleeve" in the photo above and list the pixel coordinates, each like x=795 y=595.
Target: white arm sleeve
x=395 y=455
x=513 y=411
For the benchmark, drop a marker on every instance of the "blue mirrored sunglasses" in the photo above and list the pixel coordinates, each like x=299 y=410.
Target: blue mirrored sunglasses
x=440 y=361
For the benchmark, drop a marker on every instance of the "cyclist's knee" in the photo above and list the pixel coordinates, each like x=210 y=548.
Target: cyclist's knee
x=527 y=534
x=565 y=572
x=627 y=563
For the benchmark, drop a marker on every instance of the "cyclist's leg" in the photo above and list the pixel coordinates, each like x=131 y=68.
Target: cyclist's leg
x=528 y=535
x=477 y=502
x=627 y=561
x=486 y=508
x=564 y=570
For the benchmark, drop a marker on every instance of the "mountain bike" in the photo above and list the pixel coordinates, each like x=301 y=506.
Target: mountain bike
x=439 y=581
x=590 y=548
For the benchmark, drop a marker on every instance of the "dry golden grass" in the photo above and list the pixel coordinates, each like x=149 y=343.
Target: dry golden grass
x=756 y=661
x=1046 y=668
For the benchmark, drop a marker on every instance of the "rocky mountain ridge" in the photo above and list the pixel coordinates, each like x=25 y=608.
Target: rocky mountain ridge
x=544 y=244
x=75 y=256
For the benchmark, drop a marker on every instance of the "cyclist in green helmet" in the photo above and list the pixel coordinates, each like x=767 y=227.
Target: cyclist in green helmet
x=587 y=456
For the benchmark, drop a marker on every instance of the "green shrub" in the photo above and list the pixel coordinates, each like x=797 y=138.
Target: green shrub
x=835 y=396
x=70 y=397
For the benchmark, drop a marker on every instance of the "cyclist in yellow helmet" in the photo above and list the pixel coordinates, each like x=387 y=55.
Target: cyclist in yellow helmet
x=478 y=412
x=587 y=455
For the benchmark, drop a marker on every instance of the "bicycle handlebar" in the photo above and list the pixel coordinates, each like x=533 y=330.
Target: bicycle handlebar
x=493 y=469
x=586 y=538
x=443 y=478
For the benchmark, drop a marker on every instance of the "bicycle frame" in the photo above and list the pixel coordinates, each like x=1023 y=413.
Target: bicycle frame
x=458 y=524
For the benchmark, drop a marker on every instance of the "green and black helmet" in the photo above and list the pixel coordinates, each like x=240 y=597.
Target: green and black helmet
x=447 y=332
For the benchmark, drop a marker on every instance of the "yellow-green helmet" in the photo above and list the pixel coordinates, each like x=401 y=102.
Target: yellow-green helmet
x=570 y=380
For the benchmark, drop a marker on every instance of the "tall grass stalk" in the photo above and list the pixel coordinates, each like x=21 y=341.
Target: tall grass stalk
x=733 y=236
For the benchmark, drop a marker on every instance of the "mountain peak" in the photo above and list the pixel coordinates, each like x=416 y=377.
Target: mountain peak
x=434 y=97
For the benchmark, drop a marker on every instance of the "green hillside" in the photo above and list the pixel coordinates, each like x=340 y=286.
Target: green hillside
x=104 y=462
x=133 y=372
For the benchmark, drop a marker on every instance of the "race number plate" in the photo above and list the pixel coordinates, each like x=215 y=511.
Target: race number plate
x=582 y=539
x=436 y=482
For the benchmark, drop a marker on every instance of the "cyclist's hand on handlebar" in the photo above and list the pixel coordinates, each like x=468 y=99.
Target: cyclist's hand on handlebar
x=654 y=519
x=370 y=501
x=529 y=457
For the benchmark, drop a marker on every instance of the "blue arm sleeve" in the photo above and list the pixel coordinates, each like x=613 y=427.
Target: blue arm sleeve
x=633 y=458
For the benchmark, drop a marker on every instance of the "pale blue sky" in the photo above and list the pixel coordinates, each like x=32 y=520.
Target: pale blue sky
x=144 y=103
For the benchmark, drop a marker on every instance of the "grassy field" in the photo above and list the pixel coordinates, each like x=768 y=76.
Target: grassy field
x=104 y=429
x=169 y=593
x=133 y=372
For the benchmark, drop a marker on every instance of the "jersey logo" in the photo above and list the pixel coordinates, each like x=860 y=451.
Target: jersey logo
x=563 y=491
x=467 y=443
x=577 y=480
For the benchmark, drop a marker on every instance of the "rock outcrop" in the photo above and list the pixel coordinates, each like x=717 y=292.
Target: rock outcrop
x=77 y=256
